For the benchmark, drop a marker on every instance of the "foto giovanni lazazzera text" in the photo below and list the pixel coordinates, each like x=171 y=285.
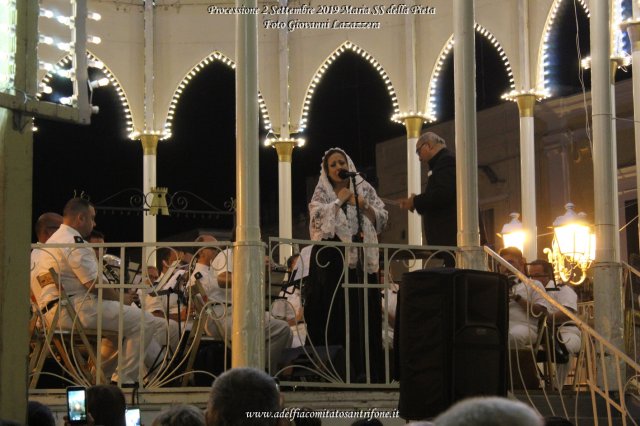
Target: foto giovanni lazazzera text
x=328 y=24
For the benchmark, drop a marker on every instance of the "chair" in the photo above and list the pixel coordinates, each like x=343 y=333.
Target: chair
x=45 y=334
x=197 y=333
x=526 y=361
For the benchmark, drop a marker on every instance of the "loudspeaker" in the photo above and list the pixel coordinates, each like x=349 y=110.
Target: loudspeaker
x=452 y=338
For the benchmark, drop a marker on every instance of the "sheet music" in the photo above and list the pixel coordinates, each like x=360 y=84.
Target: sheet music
x=169 y=278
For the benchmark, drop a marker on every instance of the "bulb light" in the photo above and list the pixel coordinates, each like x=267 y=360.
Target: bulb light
x=46 y=13
x=99 y=83
x=45 y=39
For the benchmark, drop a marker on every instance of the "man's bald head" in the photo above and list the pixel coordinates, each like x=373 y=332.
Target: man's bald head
x=46 y=225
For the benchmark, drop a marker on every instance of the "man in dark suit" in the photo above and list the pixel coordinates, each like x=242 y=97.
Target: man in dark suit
x=437 y=203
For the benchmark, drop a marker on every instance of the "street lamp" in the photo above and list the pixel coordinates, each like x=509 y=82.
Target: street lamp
x=513 y=234
x=573 y=246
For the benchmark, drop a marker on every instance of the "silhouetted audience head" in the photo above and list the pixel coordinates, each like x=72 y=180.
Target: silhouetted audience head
x=239 y=391
x=39 y=414
x=367 y=422
x=106 y=405
x=556 y=421
x=180 y=415
x=489 y=411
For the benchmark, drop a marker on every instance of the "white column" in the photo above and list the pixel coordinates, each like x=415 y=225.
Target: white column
x=16 y=170
x=149 y=138
x=413 y=125
x=247 y=336
x=284 y=148
x=526 y=104
x=633 y=29
x=284 y=165
x=284 y=207
x=606 y=267
x=470 y=255
x=149 y=155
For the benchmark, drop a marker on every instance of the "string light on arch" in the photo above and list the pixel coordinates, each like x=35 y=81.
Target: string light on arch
x=347 y=45
x=542 y=84
x=214 y=56
x=93 y=62
x=437 y=69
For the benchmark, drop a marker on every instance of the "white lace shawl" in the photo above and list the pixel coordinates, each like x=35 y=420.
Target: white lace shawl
x=329 y=220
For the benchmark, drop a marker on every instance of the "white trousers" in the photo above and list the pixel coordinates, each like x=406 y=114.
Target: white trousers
x=87 y=312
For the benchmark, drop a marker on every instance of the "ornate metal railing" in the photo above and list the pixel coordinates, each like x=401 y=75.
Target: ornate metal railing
x=125 y=268
x=362 y=359
x=352 y=342
x=609 y=375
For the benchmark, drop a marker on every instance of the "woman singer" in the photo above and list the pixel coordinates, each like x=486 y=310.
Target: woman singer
x=334 y=217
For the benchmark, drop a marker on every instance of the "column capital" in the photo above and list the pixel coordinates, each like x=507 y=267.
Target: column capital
x=412 y=121
x=284 y=147
x=149 y=142
x=526 y=100
x=633 y=29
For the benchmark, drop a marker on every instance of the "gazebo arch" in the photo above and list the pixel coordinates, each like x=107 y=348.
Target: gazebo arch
x=446 y=49
x=212 y=57
x=347 y=45
x=541 y=74
x=99 y=64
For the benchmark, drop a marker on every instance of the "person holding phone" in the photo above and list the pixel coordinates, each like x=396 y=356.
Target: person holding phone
x=103 y=405
x=76 y=405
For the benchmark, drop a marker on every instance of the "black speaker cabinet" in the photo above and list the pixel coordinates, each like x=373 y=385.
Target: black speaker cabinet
x=452 y=338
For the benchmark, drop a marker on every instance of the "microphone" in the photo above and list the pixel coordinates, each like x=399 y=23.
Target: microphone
x=344 y=174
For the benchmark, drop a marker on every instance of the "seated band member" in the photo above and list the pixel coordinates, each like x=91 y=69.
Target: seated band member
x=526 y=305
x=334 y=217
x=77 y=269
x=163 y=333
x=215 y=272
x=289 y=305
x=568 y=334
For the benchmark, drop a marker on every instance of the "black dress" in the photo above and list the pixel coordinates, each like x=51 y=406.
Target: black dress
x=324 y=310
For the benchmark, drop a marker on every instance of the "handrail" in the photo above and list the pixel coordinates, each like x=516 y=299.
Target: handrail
x=580 y=323
x=596 y=348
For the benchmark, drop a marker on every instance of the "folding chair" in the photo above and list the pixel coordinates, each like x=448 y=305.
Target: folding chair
x=48 y=333
x=197 y=334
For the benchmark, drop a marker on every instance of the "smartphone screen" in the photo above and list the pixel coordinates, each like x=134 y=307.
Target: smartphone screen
x=76 y=404
x=132 y=416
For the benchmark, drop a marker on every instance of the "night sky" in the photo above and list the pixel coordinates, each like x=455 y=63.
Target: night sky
x=350 y=109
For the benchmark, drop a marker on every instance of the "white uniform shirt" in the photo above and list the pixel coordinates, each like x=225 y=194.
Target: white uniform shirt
x=569 y=299
x=74 y=265
x=222 y=262
x=519 y=315
x=210 y=285
x=42 y=292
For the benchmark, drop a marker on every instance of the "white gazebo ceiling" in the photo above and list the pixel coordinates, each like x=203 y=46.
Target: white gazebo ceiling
x=186 y=34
